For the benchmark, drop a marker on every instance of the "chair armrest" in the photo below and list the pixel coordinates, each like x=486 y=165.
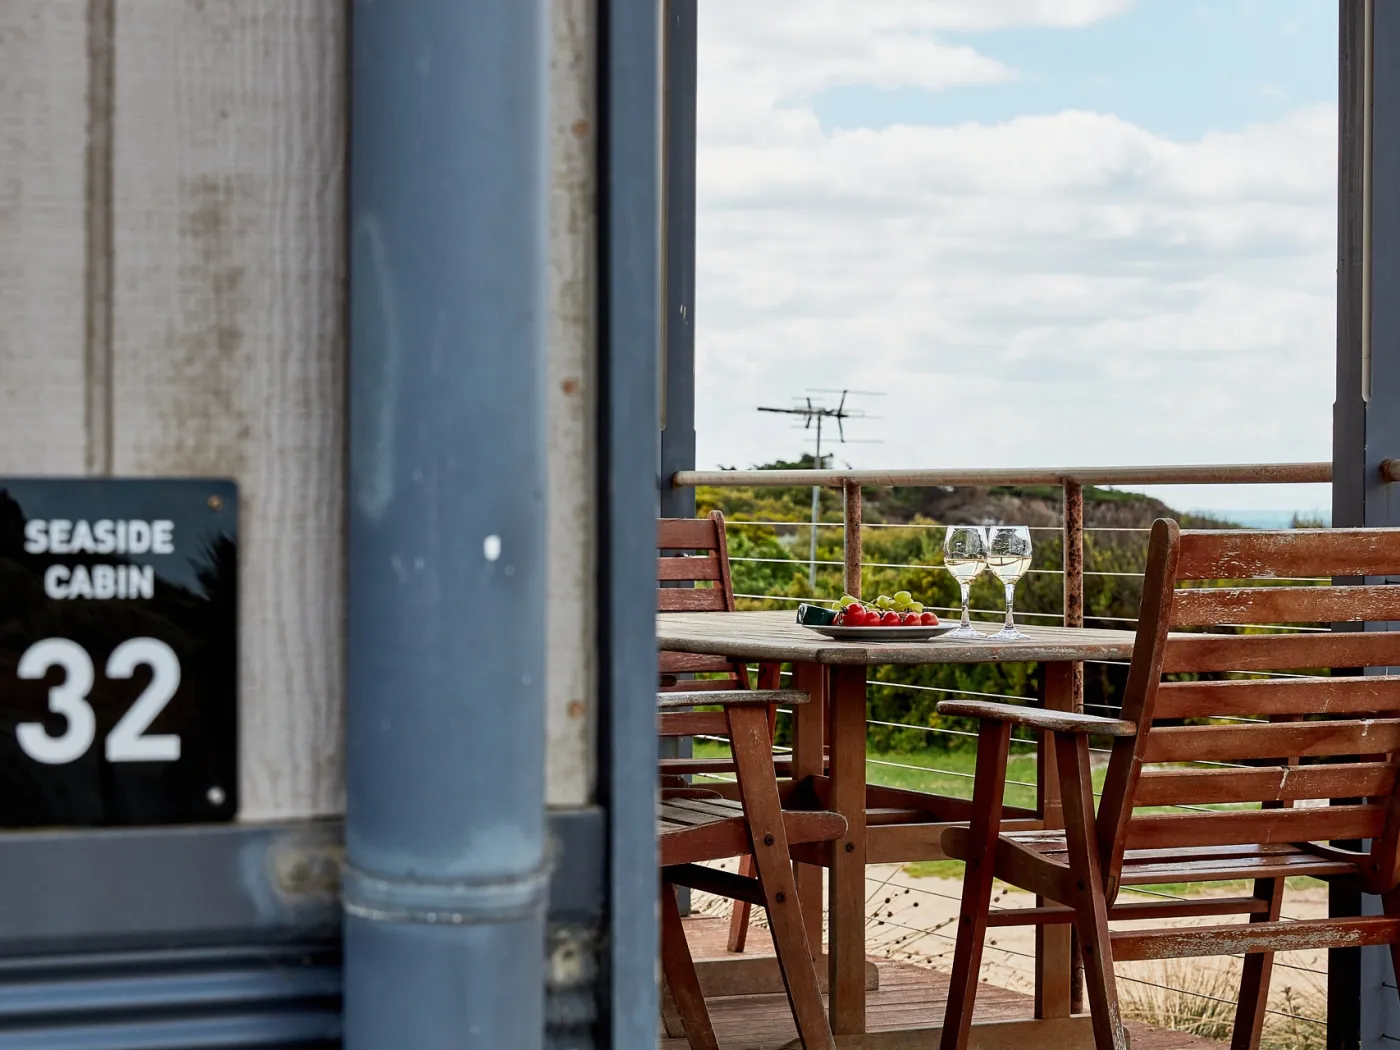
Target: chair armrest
x=730 y=698
x=1039 y=718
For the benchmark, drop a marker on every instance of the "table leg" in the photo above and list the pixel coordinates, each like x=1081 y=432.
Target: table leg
x=1054 y=951
x=808 y=747
x=847 y=891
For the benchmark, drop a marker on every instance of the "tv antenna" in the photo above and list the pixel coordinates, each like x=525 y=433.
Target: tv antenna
x=817 y=412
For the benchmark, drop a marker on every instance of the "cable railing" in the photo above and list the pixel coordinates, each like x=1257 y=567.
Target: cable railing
x=1074 y=573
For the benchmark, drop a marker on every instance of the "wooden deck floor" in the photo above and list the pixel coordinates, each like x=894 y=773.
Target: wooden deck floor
x=908 y=997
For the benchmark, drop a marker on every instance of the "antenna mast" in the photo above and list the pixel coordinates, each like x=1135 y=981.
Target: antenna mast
x=818 y=412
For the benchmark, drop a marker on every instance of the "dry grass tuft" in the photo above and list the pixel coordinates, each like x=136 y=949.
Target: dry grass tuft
x=1200 y=1001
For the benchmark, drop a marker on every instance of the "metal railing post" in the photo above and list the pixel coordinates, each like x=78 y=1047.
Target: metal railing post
x=851 y=518
x=446 y=882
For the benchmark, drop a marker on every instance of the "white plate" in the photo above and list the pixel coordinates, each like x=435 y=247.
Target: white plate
x=921 y=633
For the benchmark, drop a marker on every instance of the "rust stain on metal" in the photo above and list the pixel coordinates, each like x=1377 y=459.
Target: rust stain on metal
x=854 y=545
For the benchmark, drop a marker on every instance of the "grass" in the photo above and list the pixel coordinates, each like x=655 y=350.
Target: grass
x=1200 y=1001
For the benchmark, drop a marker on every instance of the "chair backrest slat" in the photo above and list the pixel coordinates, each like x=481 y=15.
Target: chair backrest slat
x=1239 y=827
x=1198 y=606
x=688 y=534
x=1257 y=697
x=709 y=568
x=1299 y=554
x=688 y=569
x=1204 y=787
x=1279 y=742
x=674 y=599
x=693 y=663
x=1281 y=652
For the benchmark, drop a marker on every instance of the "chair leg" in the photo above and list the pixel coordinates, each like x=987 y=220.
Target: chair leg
x=758 y=787
x=993 y=743
x=1390 y=904
x=739 y=917
x=681 y=978
x=769 y=677
x=1258 y=968
x=671 y=1022
x=1090 y=904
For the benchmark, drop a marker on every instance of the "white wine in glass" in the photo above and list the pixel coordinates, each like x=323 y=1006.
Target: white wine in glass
x=965 y=556
x=1008 y=556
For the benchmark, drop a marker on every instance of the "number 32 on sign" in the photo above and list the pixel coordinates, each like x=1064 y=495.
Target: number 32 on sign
x=126 y=742
x=118 y=667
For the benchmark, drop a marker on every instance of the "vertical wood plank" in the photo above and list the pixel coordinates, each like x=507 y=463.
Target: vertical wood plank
x=851 y=516
x=847 y=881
x=229 y=337
x=752 y=740
x=1054 y=950
x=808 y=760
x=571 y=701
x=43 y=218
x=993 y=745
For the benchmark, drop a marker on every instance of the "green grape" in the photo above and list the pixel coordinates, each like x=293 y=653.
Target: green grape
x=916 y=607
x=847 y=599
x=903 y=597
x=884 y=601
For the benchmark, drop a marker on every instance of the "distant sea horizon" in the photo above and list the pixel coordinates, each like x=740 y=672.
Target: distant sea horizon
x=1265 y=519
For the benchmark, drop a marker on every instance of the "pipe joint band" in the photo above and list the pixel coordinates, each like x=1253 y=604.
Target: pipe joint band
x=507 y=898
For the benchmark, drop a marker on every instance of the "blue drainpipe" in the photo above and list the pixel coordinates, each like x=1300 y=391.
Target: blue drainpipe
x=446 y=875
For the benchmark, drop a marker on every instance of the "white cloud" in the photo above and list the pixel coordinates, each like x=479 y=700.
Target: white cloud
x=1056 y=289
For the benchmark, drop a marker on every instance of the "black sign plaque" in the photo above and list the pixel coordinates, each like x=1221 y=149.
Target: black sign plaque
x=118 y=652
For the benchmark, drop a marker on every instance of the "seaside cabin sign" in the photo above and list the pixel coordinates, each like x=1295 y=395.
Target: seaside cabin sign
x=118 y=652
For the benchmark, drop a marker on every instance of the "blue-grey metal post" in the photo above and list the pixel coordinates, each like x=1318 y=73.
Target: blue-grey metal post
x=678 y=371
x=1363 y=1008
x=678 y=341
x=629 y=191
x=446 y=876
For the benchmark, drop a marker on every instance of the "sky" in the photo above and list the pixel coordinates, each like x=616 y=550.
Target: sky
x=1049 y=232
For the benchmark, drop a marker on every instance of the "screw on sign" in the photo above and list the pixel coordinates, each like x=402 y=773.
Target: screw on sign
x=118 y=667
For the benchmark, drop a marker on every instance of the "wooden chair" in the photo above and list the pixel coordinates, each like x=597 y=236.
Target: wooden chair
x=697 y=825
x=696 y=551
x=1189 y=744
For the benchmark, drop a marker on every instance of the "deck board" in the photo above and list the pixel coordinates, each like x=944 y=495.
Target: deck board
x=908 y=997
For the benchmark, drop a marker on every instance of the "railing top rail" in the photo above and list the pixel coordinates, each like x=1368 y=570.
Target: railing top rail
x=1185 y=474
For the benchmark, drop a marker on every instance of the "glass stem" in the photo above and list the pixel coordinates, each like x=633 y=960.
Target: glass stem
x=966 y=597
x=1010 y=601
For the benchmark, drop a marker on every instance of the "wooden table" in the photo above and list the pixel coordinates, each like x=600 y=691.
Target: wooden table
x=838 y=671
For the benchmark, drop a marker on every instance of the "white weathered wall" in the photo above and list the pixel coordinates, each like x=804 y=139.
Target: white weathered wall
x=229 y=338
x=43 y=171
x=572 y=668
x=174 y=251
x=172 y=281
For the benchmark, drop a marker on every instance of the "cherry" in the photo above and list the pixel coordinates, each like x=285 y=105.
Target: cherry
x=929 y=619
x=890 y=619
x=909 y=619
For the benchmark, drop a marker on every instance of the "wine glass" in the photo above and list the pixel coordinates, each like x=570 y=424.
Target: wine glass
x=965 y=555
x=1008 y=556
